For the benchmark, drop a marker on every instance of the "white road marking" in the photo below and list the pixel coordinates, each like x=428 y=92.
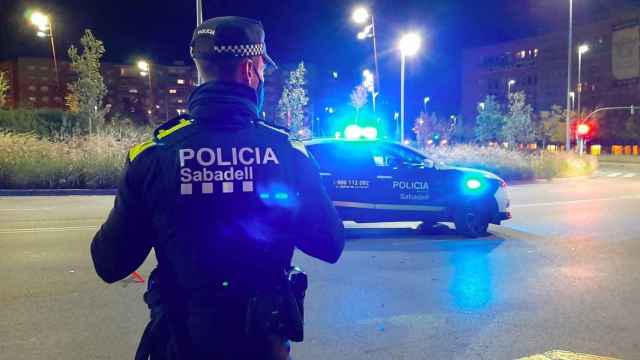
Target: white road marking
x=614 y=174
x=553 y=203
x=630 y=175
x=48 y=229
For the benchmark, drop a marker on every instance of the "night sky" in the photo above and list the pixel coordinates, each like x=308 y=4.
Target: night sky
x=319 y=32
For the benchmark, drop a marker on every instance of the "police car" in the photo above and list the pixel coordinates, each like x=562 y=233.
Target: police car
x=378 y=181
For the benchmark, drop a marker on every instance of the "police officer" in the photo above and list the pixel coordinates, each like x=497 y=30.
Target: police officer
x=223 y=199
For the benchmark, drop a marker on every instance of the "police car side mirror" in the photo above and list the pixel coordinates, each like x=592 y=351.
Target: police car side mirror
x=429 y=163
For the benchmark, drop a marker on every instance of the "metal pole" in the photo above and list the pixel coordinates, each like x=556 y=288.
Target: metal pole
x=402 y=61
x=579 y=108
x=151 y=97
x=376 y=81
x=55 y=59
x=568 y=118
x=198 y=22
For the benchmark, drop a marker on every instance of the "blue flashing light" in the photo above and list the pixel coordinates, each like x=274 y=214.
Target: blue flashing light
x=473 y=184
x=353 y=132
x=282 y=196
x=370 y=133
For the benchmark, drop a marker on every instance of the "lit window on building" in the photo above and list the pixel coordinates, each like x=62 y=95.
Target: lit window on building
x=181 y=111
x=44 y=68
x=133 y=91
x=32 y=88
x=57 y=99
x=32 y=98
x=180 y=101
x=172 y=91
x=535 y=52
x=44 y=88
x=123 y=71
x=181 y=81
x=31 y=67
x=45 y=99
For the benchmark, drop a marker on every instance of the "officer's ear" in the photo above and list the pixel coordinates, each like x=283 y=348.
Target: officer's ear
x=247 y=73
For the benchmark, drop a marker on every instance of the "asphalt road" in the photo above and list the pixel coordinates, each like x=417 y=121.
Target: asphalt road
x=562 y=275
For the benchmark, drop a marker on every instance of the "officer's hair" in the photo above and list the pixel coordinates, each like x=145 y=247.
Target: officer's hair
x=222 y=68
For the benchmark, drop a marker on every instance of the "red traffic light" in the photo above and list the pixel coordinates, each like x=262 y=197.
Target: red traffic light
x=583 y=129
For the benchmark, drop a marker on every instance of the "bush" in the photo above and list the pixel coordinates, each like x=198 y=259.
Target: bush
x=93 y=162
x=515 y=165
x=47 y=123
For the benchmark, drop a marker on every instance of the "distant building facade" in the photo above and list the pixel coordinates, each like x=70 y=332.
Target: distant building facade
x=157 y=95
x=538 y=65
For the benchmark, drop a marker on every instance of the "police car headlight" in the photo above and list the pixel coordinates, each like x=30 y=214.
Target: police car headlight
x=473 y=184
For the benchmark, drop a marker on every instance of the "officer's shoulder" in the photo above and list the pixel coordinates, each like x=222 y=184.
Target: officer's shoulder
x=283 y=133
x=275 y=130
x=162 y=135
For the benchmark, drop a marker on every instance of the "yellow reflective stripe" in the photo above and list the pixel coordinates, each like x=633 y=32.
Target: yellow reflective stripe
x=164 y=133
x=138 y=149
x=300 y=146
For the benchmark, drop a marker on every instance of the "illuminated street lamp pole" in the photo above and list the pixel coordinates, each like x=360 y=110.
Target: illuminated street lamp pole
x=145 y=70
x=360 y=16
x=510 y=83
x=409 y=45
x=568 y=119
x=424 y=103
x=45 y=29
x=581 y=50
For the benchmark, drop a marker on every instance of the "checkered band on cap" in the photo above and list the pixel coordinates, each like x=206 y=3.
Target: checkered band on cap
x=241 y=50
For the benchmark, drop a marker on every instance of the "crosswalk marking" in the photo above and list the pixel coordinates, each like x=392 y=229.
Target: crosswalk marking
x=565 y=355
x=630 y=175
x=614 y=174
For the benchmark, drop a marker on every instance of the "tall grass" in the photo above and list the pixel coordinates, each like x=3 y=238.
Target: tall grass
x=80 y=161
x=515 y=165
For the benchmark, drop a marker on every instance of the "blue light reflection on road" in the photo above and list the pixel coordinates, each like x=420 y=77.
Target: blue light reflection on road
x=472 y=282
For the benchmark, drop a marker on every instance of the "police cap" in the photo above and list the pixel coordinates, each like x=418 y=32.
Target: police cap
x=229 y=36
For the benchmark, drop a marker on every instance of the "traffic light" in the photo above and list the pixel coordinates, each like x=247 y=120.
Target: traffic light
x=583 y=129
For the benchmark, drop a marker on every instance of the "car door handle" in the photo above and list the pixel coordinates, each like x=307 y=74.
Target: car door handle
x=326 y=174
x=384 y=177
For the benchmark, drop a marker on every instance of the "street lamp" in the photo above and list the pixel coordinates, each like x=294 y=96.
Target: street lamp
x=145 y=70
x=45 y=29
x=568 y=119
x=582 y=49
x=424 y=103
x=510 y=83
x=360 y=16
x=409 y=45
x=572 y=95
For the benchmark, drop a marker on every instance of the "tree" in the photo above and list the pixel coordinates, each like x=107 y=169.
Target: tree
x=359 y=99
x=4 y=88
x=551 y=127
x=294 y=100
x=518 y=126
x=490 y=121
x=431 y=129
x=88 y=89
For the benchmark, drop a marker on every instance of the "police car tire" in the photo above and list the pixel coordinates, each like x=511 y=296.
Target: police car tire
x=471 y=220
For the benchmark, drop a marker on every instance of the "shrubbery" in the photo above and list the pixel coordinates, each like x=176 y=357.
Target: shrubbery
x=49 y=123
x=515 y=165
x=93 y=162
x=96 y=161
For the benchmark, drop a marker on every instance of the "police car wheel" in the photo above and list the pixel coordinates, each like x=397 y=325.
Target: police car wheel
x=471 y=220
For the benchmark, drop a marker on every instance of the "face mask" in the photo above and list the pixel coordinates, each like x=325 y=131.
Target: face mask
x=259 y=91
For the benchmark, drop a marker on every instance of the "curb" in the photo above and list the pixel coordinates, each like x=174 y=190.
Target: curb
x=56 y=192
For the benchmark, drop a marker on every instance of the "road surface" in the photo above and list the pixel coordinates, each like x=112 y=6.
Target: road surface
x=564 y=274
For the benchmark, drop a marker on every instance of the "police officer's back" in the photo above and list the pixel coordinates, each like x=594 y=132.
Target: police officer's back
x=222 y=198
